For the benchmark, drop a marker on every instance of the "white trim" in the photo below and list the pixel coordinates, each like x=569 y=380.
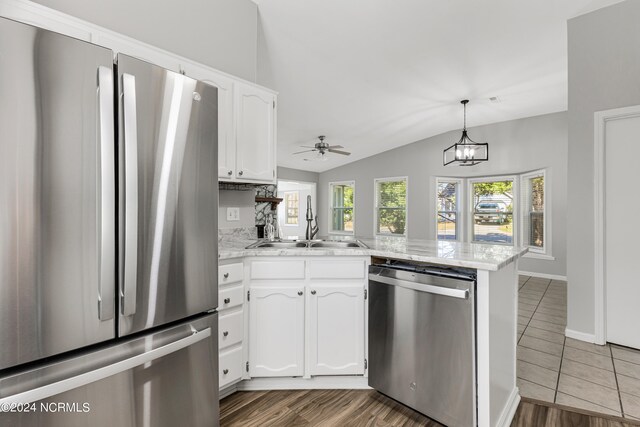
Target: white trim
x=545 y=252
x=313 y=383
x=581 y=336
x=543 y=275
x=515 y=220
x=459 y=205
x=375 y=206
x=227 y=391
x=600 y=118
x=329 y=215
x=509 y=410
x=537 y=255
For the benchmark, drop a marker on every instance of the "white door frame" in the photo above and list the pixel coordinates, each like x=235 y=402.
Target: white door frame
x=600 y=120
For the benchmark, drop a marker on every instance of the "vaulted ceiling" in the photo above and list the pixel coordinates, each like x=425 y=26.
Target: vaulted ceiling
x=373 y=75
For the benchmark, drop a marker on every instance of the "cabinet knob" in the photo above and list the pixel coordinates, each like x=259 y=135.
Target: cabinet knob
x=313 y=292
x=300 y=293
x=225 y=333
x=230 y=173
x=240 y=173
x=225 y=371
x=226 y=275
x=227 y=300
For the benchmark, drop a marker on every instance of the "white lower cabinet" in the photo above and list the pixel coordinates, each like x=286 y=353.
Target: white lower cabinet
x=336 y=329
x=307 y=316
x=276 y=330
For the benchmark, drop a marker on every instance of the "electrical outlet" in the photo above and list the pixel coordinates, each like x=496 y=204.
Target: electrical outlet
x=233 y=214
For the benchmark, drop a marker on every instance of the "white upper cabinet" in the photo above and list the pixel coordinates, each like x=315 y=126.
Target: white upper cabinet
x=255 y=134
x=336 y=326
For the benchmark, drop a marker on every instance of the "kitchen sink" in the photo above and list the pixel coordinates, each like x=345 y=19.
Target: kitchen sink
x=289 y=244
x=278 y=244
x=337 y=244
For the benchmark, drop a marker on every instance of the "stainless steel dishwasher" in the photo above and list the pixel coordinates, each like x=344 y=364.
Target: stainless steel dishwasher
x=422 y=339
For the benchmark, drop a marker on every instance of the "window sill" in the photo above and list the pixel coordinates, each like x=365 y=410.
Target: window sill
x=340 y=233
x=536 y=255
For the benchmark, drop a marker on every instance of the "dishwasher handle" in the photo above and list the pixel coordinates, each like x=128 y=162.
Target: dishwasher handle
x=421 y=287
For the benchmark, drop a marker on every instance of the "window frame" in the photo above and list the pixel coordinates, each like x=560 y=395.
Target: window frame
x=331 y=207
x=545 y=251
x=515 y=234
x=376 y=218
x=459 y=207
x=286 y=209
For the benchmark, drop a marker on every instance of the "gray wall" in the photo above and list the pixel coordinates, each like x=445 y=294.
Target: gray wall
x=604 y=73
x=222 y=34
x=298 y=175
x=245 y=200
x=515 y=146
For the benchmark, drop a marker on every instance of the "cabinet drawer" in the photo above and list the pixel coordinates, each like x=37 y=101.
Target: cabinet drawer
x=337 y=269
x=230 y=367
x=230 y=329
x=230 y=273
x=230 y=297
x=293 y=269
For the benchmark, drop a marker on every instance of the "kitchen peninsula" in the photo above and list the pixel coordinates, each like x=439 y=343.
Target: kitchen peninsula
x=305 y=316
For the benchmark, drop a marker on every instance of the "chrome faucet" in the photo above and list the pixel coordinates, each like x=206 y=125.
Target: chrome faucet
x=311 y=230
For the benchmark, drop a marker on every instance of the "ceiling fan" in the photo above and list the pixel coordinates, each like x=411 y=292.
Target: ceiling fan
x=322 y=148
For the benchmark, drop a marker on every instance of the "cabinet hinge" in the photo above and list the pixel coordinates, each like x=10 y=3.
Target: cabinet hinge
x=247 y=366
x=365 y=294
x=365 y=363
x=274 y=104
x=248 y=295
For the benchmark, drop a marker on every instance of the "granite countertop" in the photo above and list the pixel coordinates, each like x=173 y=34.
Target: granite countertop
x=470 y=255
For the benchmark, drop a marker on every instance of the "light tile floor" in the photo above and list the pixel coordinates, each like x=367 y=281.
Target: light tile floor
x=556 y=369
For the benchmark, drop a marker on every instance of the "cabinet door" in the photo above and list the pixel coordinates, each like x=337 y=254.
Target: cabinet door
x=255 y=134
x=336 y=339
x=276 y=316
x=226 y=142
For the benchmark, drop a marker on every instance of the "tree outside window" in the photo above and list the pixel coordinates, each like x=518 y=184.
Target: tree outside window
x=342 y=207
x=391 y=206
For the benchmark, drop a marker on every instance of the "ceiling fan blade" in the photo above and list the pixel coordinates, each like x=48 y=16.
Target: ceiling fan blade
x=307 y=146
x=331 y=147
x=305 y=151
x=344 y=153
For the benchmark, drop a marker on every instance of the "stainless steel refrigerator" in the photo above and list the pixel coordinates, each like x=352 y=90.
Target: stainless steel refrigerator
x=108 y=237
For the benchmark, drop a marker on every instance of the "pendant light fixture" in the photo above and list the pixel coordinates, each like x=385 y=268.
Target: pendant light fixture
x=466 y=152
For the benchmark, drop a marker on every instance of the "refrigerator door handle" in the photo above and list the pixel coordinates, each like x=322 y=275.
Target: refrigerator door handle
x=106 y=232
x=130 y=137
x=77 y=381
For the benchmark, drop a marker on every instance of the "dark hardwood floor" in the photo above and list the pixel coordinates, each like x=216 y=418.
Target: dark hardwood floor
x=369 y=408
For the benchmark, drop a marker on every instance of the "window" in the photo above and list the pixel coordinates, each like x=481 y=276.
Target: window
x=391 y=206
x=532 y=188
x=342 y=211
x=492 y=203
x=292 y=205
x=447 y=202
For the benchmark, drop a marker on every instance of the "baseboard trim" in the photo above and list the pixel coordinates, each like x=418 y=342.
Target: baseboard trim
x=543 y=275
x=581 y=336
x=510 y=409
x=315 y=383
x=227 y=391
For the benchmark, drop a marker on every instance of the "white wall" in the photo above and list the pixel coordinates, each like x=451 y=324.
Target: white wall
x=515 y=146
x=604 y=73
x=219 y=33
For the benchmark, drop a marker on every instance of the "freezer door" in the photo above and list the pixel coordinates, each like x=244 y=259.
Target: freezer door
x=168 y=195
x=57 y=193
x=168 y=378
